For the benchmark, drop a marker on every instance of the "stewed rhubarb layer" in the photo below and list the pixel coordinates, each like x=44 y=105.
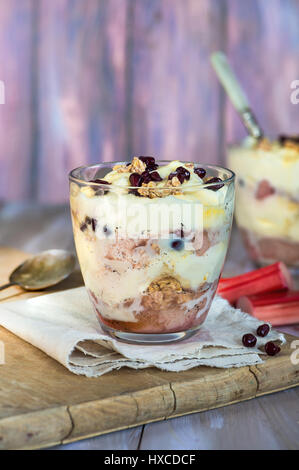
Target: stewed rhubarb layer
x=164 y=309
x=264 y=250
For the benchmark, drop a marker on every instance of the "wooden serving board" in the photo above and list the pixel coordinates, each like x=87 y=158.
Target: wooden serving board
x=43 y=404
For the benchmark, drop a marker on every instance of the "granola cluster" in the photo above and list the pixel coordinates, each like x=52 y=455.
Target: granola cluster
x=165 y=283
x=285 y=141
x=137 y=166
x=152 y=190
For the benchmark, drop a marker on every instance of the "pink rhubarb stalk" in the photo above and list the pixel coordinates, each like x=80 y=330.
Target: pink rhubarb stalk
x=277 y=308
x=270 y=278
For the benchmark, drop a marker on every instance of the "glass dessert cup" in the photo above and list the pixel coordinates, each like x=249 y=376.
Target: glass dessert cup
x=267 y=200
x=151 y=262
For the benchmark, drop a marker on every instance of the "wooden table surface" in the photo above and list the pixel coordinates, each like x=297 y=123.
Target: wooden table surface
x=269 y=422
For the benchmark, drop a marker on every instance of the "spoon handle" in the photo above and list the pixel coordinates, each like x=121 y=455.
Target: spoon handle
x=236 y=94
x=5 y=286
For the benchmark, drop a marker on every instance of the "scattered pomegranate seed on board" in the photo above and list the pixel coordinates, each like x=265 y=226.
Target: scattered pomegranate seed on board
x=249 y=340
x=271 y=348
x=263 y=330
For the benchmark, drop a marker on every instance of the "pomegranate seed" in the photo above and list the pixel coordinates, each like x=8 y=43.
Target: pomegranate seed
x=135 y=179
x=271 y=348
x=263 y=330
x=183 y=171
x=201 y=172
x=148 y=160
x=152 y=167
x=99 y=181
x=145 y=177
x=215 y=180
x=150 y=163
x=181 y=174
x=155 y=176
x=249 y=340
x=180 y=177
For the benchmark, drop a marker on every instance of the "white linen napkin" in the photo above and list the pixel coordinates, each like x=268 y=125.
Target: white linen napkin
x=64 y=326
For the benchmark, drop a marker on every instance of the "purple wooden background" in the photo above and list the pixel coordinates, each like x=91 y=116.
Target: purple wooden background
x=90 y=80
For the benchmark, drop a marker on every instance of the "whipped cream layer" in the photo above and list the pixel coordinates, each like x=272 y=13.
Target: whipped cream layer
x=194 y=208
x=276 y=213
x=274 y=216
x=279 y=164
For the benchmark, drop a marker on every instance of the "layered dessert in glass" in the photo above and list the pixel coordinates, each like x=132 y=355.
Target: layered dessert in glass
x=151 y=239
x=267 y=198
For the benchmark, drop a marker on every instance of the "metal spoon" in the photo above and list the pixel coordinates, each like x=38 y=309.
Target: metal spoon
x=236 y=94
x=43 y=270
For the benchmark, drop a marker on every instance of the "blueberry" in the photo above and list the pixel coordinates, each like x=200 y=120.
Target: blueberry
x=177 y=245
x=106 y=231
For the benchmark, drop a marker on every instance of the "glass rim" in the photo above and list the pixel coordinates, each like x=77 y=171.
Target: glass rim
x=75 y=179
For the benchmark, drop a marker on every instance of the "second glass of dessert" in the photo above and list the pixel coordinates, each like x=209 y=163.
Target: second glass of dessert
x=151 y=239
x=267 y=198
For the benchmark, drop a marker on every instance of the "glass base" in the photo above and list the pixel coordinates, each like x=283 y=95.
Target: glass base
x=149 y=338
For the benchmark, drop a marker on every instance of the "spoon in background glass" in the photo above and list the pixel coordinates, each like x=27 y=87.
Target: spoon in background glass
x=236 y=94
x=43 y=270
